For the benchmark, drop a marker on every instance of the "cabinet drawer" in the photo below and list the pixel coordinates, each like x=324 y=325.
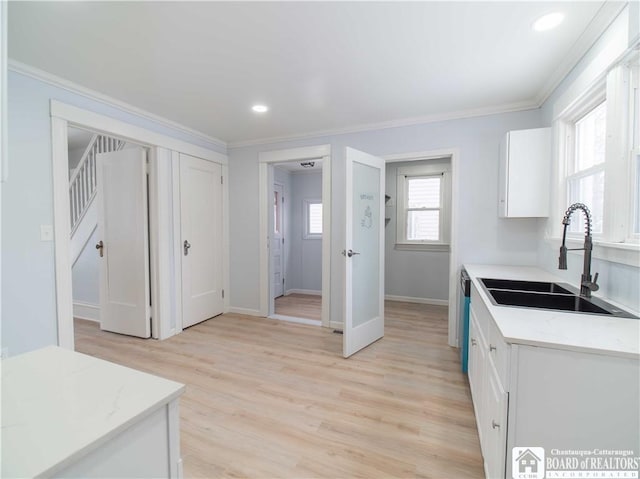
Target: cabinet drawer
x=498 y=353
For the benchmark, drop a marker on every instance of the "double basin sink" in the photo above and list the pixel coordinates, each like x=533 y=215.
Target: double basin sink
x=544 y=295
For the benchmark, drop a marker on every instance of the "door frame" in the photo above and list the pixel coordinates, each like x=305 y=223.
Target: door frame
x=266 y=160
x=454 y=155
x=161 y=220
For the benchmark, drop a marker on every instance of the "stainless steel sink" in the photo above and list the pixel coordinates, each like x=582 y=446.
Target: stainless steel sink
x=515 y=285
x=562 y=302
x=544 y=295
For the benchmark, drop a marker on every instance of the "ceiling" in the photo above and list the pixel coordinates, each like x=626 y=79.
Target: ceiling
x=319 y=66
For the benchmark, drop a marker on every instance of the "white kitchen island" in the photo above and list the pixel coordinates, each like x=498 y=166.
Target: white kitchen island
x=72 y=415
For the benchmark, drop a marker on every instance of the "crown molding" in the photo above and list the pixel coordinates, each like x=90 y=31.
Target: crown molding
x=68 y=85
x=456 y=115
x=607 y=13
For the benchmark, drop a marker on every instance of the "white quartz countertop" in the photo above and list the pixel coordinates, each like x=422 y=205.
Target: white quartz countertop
x=562 y=330
x=59 y=405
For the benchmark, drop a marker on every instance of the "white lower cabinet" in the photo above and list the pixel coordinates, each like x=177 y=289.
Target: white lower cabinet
x=490 y=400
x=553 y=398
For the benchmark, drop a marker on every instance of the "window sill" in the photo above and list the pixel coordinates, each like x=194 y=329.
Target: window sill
x=623 y=253
x=422 y=247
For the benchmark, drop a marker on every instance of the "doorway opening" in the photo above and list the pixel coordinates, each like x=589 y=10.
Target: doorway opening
x=109 y=240
x=295 y=260
x=296 y=242
x=433 y=178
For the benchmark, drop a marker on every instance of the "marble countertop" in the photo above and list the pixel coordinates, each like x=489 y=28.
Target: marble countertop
x=561 y=330
x=59 y=405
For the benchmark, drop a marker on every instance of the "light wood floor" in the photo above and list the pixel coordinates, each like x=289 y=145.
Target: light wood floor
x=300 y=306
x=272 y=399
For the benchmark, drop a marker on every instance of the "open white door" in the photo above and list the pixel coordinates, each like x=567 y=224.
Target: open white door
x=277 y=256
x=364 y=251
x=201 y=218
x=124 y=242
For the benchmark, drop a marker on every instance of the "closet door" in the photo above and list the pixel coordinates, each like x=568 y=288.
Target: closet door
x=201 y=239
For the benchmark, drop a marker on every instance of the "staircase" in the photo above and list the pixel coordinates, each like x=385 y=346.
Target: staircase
x=82 y=191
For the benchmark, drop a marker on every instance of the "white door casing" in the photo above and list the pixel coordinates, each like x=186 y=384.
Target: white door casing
x=201 y=239
x=277 y=241
x=123 y=229
x=364 y=251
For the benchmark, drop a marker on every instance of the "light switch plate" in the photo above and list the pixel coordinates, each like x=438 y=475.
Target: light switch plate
x=46 y=232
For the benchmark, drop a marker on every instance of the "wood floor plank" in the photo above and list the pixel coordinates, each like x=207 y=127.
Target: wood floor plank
x=269 y=399
x=298 y=305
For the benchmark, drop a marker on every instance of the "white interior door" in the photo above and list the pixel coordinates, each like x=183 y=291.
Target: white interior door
x=277 y=250
x=201 y=241
x=364 y=251
x=123 y=233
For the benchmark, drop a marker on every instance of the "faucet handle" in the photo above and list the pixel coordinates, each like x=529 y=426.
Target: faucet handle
x=593 y=284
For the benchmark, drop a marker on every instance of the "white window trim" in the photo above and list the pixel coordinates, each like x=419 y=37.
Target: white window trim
x=305 y=215
x=616 y=244
x=445 y=208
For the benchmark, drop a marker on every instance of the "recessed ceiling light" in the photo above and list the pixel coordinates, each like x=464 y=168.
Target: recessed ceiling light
x=260 y=108
x=548 y=21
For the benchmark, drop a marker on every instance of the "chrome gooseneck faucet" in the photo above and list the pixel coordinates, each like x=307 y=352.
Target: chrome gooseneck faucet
x=586 y=284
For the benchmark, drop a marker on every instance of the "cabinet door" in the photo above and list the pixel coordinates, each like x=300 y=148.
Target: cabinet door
x=495 y=426
x=525 y=162
x=477 y=373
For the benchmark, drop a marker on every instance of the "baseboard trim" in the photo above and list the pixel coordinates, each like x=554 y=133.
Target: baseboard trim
x=245 y=311
x=412 y=299
x=313 y=292
x=336 y=325
x=88 y=311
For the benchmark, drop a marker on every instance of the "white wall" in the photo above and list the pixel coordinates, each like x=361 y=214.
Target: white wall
x=28 y=286
x=75 y=155
x=619 y=282
x=306 y=254
x=482 y=236
x=86 y=274
x=413 y=274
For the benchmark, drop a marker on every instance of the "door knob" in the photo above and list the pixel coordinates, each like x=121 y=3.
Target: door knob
x=186 y=247
x=351 y=253
x=100 y=247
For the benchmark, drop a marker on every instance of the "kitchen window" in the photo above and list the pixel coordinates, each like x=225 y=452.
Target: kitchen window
x=601 y=157
x=585 y=182
x=423 y=207
x=312 y=219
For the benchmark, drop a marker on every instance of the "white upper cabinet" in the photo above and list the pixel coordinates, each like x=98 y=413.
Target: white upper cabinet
x=525 y=168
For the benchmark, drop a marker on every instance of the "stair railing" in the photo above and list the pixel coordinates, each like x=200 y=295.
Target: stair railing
x=82 y=184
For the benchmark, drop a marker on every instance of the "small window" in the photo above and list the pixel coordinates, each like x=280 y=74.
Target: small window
x=313 y=219
x=423 y=199
x=423 y=208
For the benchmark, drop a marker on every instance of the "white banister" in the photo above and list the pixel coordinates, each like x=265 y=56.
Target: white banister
x=82 y=184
